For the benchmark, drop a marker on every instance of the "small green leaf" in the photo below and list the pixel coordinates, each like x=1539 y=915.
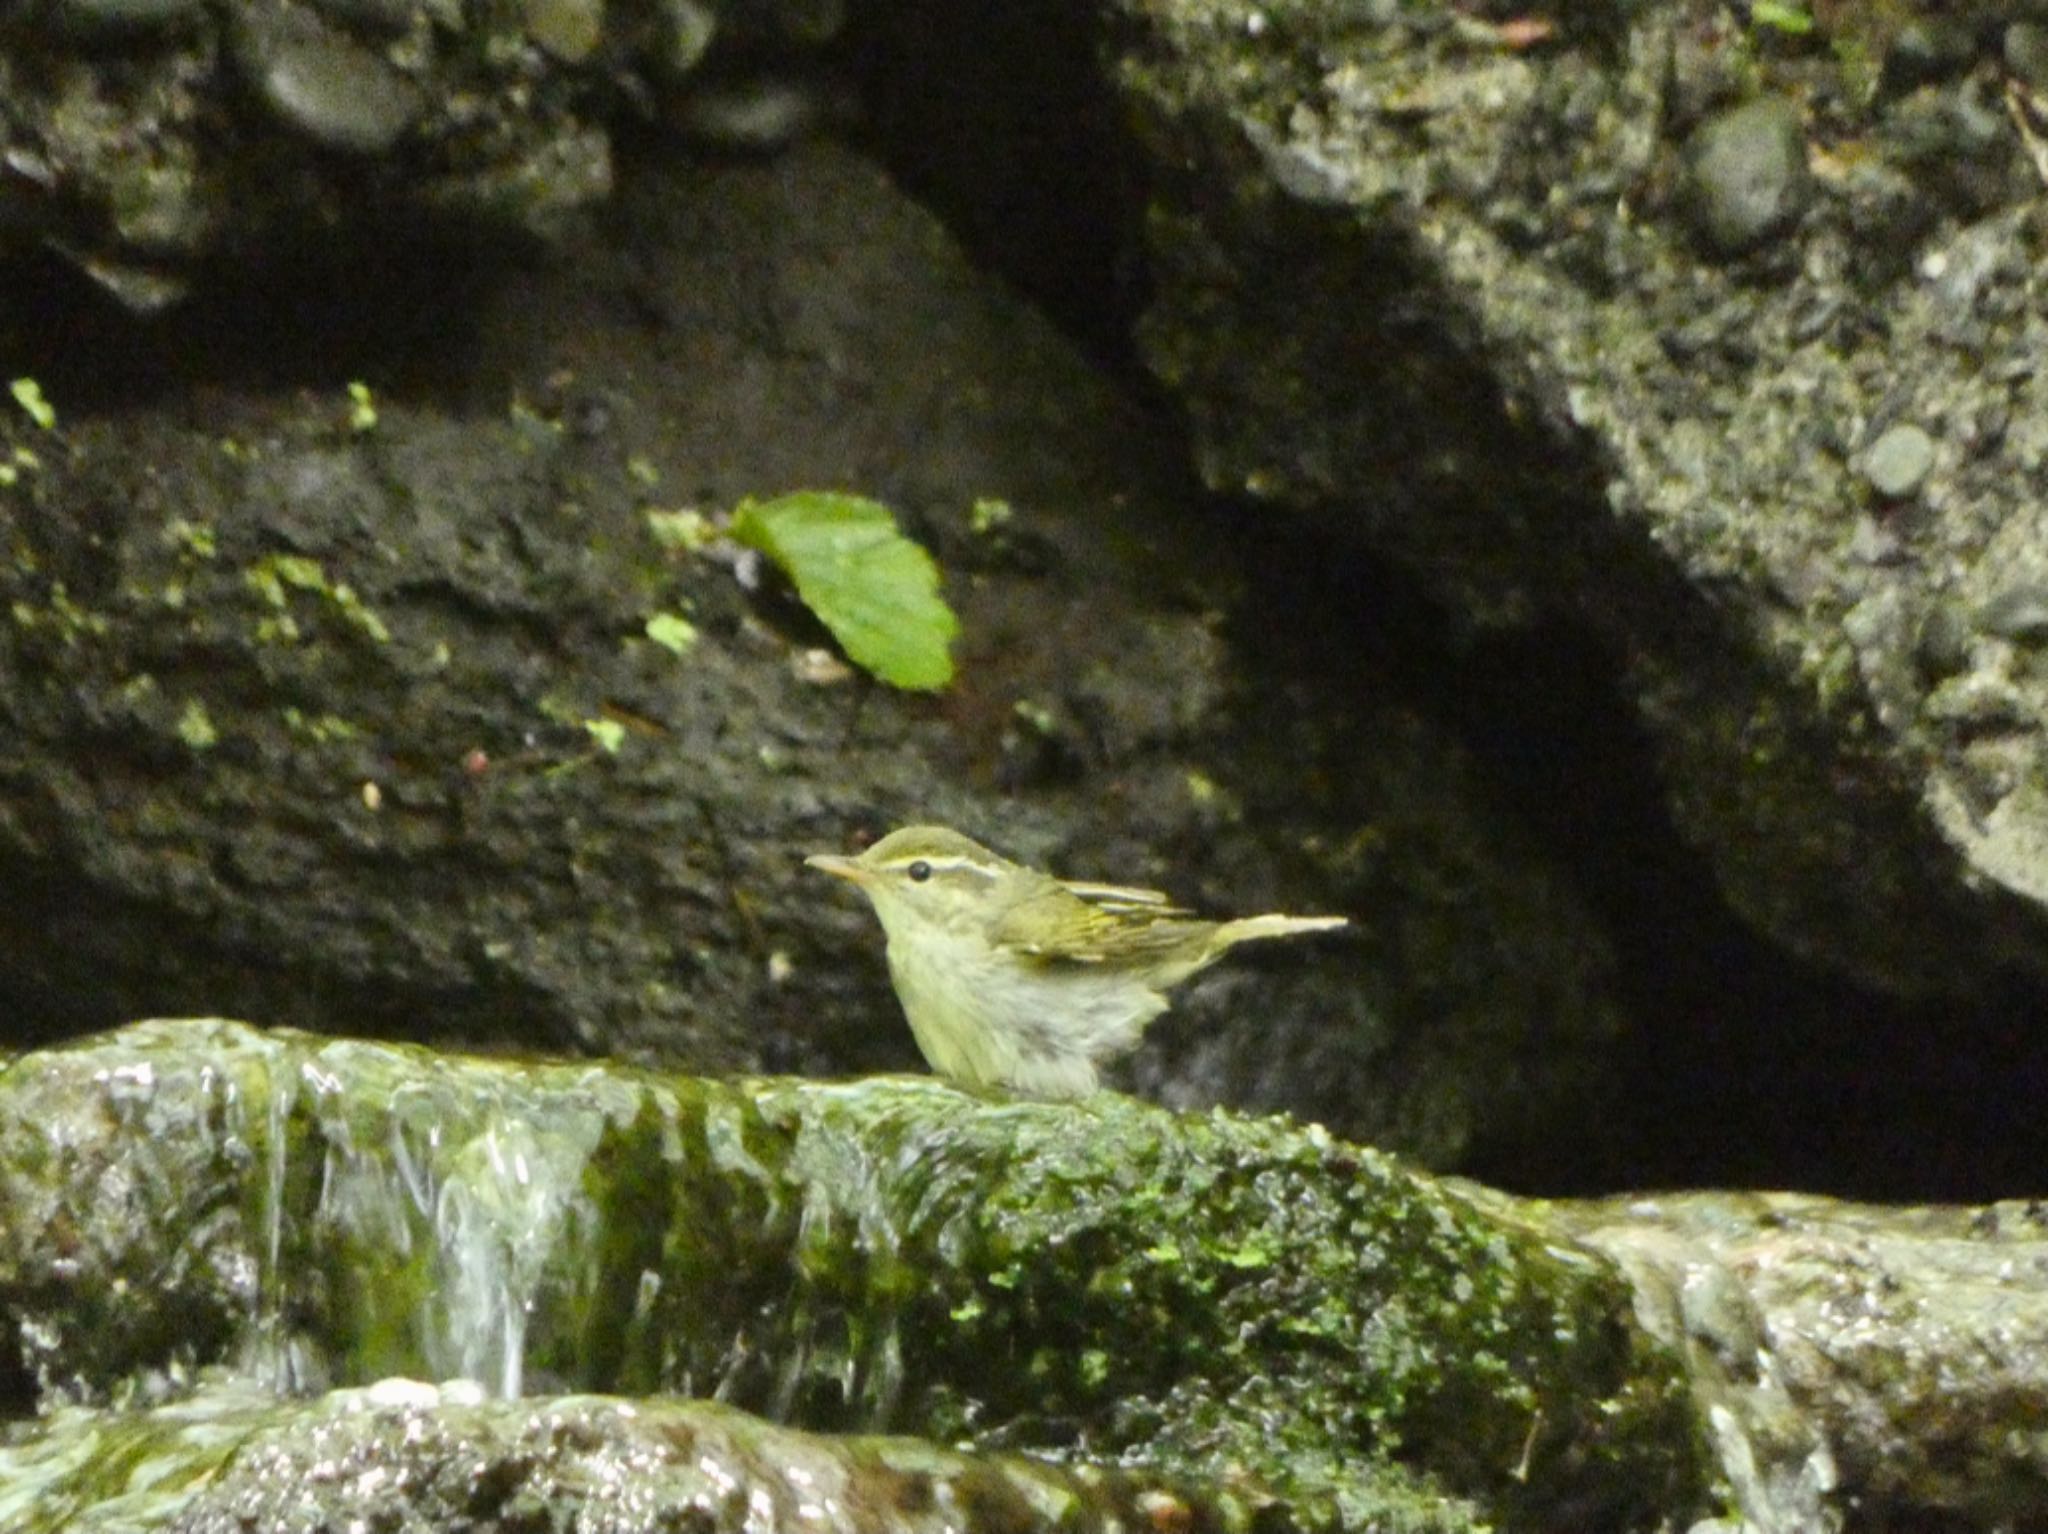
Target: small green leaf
x=195 y=727
x=608 y=733
x=362 y=407
x=672 y=632
x=1784 y=17
x=876 y=590
x=29 y=395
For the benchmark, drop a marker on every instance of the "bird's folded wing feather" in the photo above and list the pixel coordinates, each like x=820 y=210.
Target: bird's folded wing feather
x=1123 y=897
x=1061 y=923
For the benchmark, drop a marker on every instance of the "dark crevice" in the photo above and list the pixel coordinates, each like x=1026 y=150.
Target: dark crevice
x=1000 y=121
x=1744 y=1066
x=385 y=304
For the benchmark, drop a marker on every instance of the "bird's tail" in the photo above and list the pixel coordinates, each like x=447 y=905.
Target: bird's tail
x=1248 y=929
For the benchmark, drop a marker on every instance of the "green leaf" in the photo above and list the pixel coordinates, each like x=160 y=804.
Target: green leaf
x=1791 y=19
x=362 y=407
x=876 y=590
x=672 y=631
x=29 y=395
x=608 y=733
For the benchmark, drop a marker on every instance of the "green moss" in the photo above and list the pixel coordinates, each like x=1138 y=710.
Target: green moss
x=673 y=632
x=60 y=617
x=362 y=408
x=685 y=531
x=1225 y=1296
x=196 y=728
x=29 y=395
x=322 y=729
x=274 y=579
x=194 y=539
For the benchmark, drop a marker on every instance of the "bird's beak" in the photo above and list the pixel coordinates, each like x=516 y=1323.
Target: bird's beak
x=839 y=867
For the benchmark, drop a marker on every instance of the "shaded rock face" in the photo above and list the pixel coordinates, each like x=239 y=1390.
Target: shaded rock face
x=145 y=141
x=1708 y=338
x=299 y=684
x=1582 y=415
x=1436 y=278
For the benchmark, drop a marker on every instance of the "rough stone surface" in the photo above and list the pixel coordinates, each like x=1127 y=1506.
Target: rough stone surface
x=297 y=711
x=1854 y=1358
x=1435 y=282
x=403 y=1456
x=157 y=143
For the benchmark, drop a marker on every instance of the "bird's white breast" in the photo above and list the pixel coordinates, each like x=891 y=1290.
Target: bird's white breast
x=1040 y=1031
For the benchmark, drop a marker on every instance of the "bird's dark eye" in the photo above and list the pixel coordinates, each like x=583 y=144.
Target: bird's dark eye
x=919 y=871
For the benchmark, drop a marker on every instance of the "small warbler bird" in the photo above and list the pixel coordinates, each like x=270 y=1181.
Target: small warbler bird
x=1012 y=978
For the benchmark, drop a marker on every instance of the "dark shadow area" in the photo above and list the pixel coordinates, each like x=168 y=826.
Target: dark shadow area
x=1749 y=1068
x=70 y=965
x=389 y=305
x=996 y=119
x=1743 y=1067
x=17 y=1385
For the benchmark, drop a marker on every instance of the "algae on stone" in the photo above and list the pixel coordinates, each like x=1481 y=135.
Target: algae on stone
x=1221 y=1296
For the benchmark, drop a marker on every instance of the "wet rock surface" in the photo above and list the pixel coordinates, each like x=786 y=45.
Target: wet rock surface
x=1225 y=1297
x=1851 y=1357
x=1217 y=1301
x=402 y=1455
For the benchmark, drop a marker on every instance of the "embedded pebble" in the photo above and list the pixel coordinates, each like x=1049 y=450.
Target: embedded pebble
x=1749 y=174
x=1872 y=543
x=1976 y=700
x=157 y=208
x=754 y=116
x=569 y=30
x=2026 y=52
x=1899 y=461
x=328 y=87
x=1942 y=645
x=691 y=28
x=2019 y=612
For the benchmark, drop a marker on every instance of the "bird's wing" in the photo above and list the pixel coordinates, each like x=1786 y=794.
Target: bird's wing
x=1123 y=897
x=1060 y=923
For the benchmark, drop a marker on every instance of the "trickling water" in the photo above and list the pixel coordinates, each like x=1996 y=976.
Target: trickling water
x=469 y=1210
x=498 y=1220
x=269 y=1354
x=347 y=1211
